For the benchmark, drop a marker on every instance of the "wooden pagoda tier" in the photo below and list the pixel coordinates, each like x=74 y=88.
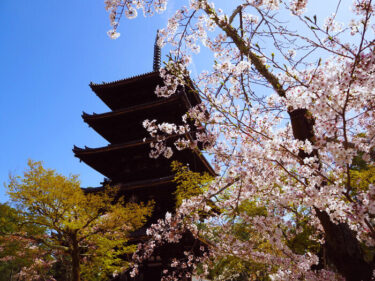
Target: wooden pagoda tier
x=129 y=119
x=130 y=162
x=134 y=91
x=125 y=161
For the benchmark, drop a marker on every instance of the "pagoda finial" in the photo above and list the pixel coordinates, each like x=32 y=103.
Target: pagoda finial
x=157 y=53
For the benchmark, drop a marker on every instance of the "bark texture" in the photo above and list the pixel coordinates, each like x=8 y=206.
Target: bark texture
x=75 y=260
x=342 y=248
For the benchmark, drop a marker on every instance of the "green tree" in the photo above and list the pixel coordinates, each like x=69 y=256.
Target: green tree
x=13 y=255
x=89 y=231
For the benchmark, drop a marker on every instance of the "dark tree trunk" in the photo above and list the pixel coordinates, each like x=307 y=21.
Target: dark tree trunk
x=342 y=248
x=75 y=260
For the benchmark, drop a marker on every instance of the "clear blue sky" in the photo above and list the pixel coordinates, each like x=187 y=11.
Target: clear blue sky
x=49 y=52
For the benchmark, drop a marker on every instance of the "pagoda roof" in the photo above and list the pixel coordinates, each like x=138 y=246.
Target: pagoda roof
x=125 y=81
x=134 y=90
x=126 y=124
x=135 y=184
x=146 y=183
x=89 y=150
x=128 y=162
x=87 y=117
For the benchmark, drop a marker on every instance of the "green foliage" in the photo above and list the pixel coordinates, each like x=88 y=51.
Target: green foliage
x=189 y=183
x=361 y=173
x=88 y=231
x=362 y=177
x=252 y=209
x=236 y=269
x=300 y=241
x=13 y=255
x=358 y=164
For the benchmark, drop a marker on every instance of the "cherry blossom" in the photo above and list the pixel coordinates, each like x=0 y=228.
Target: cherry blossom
x=287 y=113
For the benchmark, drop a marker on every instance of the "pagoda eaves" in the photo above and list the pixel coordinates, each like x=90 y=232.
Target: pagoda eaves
x=130 y=161
x=133 y=91
x=130 y=119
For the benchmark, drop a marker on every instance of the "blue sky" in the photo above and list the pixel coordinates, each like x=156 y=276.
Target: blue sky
x=49 y=52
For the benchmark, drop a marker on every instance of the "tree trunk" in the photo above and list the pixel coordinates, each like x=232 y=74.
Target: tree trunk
x=75 y=260
x=343 y=249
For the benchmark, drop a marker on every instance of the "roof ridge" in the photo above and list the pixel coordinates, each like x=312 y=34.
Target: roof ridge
x=132 y=108
x=128 y=79
x=114 y=146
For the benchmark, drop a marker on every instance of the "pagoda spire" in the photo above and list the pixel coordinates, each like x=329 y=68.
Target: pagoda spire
x=157 y=53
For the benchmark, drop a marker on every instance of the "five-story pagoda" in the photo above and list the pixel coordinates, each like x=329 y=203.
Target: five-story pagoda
x=125 y=161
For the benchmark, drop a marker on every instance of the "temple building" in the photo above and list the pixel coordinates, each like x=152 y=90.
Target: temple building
x=125 y=161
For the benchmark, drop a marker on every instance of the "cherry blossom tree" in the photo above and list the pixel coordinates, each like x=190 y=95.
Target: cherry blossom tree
x=287 y=118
